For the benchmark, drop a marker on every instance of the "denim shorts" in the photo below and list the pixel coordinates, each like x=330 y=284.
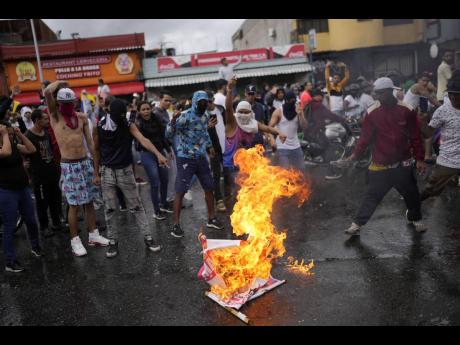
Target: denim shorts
x=187 y=167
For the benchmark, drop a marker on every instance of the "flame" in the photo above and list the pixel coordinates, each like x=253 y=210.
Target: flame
x=301 y=267
x=261 y=185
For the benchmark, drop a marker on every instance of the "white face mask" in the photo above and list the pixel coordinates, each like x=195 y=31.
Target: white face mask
x=247 y=122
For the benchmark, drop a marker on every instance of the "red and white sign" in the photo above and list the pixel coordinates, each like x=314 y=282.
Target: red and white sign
x=77 y=61
x=167 y=63
x=288 y=51
x=249 y=55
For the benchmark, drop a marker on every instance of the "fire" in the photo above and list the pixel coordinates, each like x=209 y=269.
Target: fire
x=261 y=185
x=301 y=267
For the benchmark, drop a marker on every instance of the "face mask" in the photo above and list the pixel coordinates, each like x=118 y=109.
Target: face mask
x=68 y=112
x=247 y=122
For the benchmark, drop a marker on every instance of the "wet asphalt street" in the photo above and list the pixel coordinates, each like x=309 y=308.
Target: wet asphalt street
x=390 y=275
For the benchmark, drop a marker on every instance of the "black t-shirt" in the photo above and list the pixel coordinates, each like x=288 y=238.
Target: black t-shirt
x=259 y=113
x=115 y=146
x=42 y=162
x=12 y=173
x=154 y=130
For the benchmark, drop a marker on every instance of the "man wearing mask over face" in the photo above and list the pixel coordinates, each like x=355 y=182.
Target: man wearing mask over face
x=191 y=130
x=71 y=129
x=287 y=120
x=394 y=132
x=113 y=140
x=240 y=129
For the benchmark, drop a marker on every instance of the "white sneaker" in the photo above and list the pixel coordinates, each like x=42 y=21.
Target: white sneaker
x=188 y=196
x=353 y=229
x=77 y=247
x=419 y=225
x=97 y=240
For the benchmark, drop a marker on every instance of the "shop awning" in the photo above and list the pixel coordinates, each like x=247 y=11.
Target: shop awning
x=28 y=98
x=115 y=89
x=243 y=73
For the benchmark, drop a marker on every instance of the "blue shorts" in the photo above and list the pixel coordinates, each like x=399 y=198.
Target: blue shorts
x=77 y=184
x=187 y=167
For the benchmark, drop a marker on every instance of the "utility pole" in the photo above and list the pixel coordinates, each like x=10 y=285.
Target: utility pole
x=37 y=53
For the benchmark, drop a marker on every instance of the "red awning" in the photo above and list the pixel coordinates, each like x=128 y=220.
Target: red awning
x=115 y=89
x=28 y=98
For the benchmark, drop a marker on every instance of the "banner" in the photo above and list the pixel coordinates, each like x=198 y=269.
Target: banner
x=249 y=55
x=166 y=63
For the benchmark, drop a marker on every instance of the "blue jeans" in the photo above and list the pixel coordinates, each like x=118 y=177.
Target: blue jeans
x=291 y=158
x=12 y=201
x=158 y=178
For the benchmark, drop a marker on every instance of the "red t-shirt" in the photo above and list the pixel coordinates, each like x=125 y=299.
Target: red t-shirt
x=305 y=98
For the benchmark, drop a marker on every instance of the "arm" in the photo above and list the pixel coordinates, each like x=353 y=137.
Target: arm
x=96 y=157
x=5 y=150
x=365 y=139
x=87 y=135
x=327 y=75
x=345 y=80
x=26 y=148
x=230 y=119
x=147 y=144
x=271 y=130
x=50 y=97
x=238 y=62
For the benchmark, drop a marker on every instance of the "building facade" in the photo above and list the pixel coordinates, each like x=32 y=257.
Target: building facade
x=370 y=47
x=81 y=62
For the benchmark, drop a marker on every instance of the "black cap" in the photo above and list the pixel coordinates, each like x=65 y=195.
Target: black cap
x=453 y=86
x=251 y=88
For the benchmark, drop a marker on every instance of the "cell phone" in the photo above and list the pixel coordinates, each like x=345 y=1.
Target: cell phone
x=213 y=116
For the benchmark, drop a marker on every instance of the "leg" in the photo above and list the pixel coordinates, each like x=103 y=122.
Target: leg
x=54 y=202
x=127 y=183
x=428 y=147
x=9 y=205
x=109 y=195
x=216 y=173
x=407 y=186
x=90 y=216
x=186 y=168
x=172 y=173
x=438 y=180
x=73 y=220
x=283 y=158
x=121 y=198
x=204 y=176
x=297 y=159
x=41 y=204
x=26 y=209
x=379 y=185
x=163 y=173
x=151 y=169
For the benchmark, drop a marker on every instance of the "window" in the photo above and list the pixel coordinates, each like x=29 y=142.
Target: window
x=390 y=22
x=304 y=25
x=402 y=62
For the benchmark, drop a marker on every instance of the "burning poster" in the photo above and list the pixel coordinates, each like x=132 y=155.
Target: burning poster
x=239 y=271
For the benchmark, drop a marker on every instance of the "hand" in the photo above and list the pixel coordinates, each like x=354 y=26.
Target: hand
x=212 y=122
x=328 y=63
x=211 y=152
x=16 y=91
x=17 y=131
x=421 y=167
x=3 y=130
x=231 y=83
x=272 y=143
x=97 y=180
x=282 y=137
x=162 y=161
x=176 y=114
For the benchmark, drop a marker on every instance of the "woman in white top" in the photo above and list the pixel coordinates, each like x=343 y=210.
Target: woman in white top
x=287 y=119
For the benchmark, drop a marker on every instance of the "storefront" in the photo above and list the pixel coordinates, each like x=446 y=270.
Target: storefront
x=82 y=62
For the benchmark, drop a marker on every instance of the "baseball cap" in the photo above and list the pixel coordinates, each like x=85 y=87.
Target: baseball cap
x=383 y=83
x=65 y=95
x=250 y=89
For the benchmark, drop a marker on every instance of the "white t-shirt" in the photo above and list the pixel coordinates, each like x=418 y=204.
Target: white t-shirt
x=220 y=127
x=444 y=74
x=336 y=103
x=366 y=101
x=278 y=104
x=352 y=102
x=226 y=72
x=104 y=89
x=447 y=118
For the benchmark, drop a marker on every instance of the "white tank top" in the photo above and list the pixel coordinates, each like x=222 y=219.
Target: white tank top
x=412 y=100
x=288 y=128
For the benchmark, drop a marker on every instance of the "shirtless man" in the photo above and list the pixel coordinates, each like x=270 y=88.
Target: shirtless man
x=71 y=129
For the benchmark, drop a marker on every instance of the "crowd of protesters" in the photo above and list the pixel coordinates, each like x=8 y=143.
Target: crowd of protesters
x=89 y=152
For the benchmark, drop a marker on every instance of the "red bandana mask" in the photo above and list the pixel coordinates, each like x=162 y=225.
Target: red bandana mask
x=70 y=116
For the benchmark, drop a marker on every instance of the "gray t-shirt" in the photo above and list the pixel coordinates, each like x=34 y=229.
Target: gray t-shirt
x=447 y=118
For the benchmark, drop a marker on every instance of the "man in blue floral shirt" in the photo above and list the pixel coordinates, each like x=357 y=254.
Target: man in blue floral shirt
x=191 y=129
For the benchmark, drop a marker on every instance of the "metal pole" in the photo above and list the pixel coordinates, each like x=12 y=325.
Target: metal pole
x=312 y=68
x=37 y=52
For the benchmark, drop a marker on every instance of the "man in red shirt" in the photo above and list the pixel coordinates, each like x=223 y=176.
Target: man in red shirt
x=393 y=130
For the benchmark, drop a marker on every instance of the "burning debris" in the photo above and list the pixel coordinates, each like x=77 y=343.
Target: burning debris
x=294 y=265
x=239 y=271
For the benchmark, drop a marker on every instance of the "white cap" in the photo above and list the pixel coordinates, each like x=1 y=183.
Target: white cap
x=136 y=95
x=65 y=95
x=383 y=83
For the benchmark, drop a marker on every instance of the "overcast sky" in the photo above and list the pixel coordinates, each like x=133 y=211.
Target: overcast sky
x=186 y=35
